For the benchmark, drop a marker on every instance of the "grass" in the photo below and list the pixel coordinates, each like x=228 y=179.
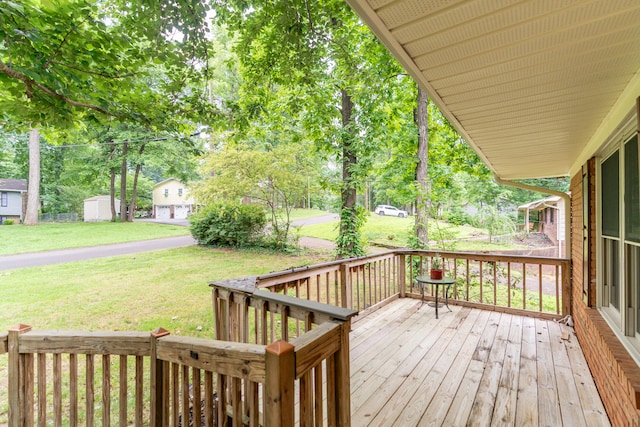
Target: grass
x=142 y=292
x=20 y=239
x=393 y=231
x=306 y=213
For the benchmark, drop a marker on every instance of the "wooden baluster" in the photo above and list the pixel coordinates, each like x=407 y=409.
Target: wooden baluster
x=57 y=389
x=139 y=391
x=175 y=394
x=401 y=277
x=197 y=396
x=208 y=399
x=28 y=385
x=540 y=285
x=90 y=373
x=123 y=391
x=73 y=390
x=106 y=390
x=524 y=286
x=186 y=392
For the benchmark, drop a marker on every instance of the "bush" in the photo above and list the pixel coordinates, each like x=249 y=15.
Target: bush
x=230 y=225
x=8 y=222
x=458 y=217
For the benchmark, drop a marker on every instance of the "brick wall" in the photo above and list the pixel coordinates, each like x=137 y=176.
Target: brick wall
x=616 y=374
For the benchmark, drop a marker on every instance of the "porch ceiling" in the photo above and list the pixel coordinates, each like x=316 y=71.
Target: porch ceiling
x=531 y=85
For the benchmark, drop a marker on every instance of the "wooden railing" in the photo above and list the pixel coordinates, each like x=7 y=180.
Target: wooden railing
x=359 y=284
x=132 y=378
x=535 y=286
x=316 y=336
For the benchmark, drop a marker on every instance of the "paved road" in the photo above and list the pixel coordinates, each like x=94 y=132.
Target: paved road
x=35 y=259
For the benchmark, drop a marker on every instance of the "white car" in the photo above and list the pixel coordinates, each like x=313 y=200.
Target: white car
x=390 y=210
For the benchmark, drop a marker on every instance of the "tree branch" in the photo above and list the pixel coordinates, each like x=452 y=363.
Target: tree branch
x=31 y=84
x=62 y=42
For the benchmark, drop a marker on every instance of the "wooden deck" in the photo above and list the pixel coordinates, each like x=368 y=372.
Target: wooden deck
x=470 y=367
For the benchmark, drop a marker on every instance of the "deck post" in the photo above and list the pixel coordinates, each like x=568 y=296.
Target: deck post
x=159 y=401
x=17 y=383
x=279 y=384
x=402 y=274
x=343 y=377
x=566 y=288
x=345 y=290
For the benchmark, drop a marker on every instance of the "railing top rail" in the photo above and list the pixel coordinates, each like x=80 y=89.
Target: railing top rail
x=488 y=256
x=239 y=360
x=83 y=342
x=242 y=284
x=4 y=342
x=333 y=312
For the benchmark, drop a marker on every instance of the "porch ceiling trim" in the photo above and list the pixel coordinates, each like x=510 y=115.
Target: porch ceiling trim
x=535 y=87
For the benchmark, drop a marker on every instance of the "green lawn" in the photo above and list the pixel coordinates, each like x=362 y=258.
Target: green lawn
x=138 y=292
x=306 y=213
x=393 y=231
x=19 y=238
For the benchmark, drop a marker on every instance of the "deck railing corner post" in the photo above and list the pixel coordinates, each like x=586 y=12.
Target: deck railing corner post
x=16 y=380
x=279 y=384
x=158 y=411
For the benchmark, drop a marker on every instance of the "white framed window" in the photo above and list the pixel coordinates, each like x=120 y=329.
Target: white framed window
x=619 y=246
x=4 y=199
x=180 y=192
x=166 y=192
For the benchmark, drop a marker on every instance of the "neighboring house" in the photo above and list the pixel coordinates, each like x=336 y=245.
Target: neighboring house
x=550 y=215
x=13 y=199
x=171 y=200
x=549 y=89
x=98 y=208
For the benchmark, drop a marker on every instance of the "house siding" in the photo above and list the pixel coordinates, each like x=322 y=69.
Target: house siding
x=173 y=201
x=616 y=374
x=549 y=228
x=14 y=204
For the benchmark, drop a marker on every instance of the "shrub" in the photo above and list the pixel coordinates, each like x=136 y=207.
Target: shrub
x=458 y=217
x=231 y=225
x=8 y=222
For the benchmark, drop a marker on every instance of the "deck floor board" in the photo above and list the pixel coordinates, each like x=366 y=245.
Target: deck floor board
x=470 y=367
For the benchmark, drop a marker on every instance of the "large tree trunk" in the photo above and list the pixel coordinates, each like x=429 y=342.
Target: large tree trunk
x=123 y=183
x=33 y=190
x=422 y=201
x=348 y=226
x=134 y=190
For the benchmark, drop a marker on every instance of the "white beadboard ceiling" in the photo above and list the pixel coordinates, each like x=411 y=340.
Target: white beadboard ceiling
x=533 y=85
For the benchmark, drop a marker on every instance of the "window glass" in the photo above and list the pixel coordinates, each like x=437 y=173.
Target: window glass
x=611 y=196
x=634 y=267
x=611 y=274
x=631 y=191
x=4 y=198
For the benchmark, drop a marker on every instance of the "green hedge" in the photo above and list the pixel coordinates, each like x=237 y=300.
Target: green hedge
x=230 y=225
